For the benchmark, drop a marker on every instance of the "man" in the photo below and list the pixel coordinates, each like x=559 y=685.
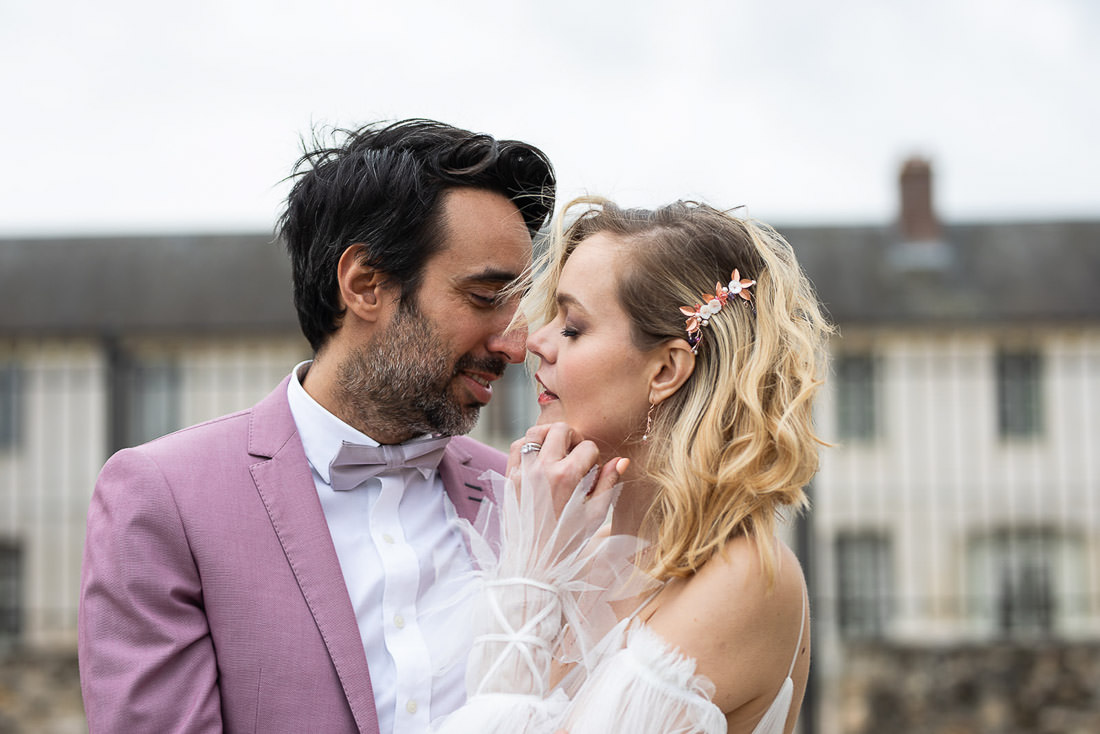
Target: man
x=252 y=573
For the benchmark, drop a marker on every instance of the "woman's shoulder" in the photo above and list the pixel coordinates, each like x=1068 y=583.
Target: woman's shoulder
x=740 y=568
x=741 y=629
x=736 y=579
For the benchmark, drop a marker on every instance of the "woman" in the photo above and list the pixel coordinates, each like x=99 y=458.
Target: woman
x=695 y=398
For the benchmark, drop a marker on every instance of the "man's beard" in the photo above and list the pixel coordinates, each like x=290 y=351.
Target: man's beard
x=401 y=384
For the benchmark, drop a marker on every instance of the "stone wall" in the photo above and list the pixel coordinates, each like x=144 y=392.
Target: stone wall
x=998 y=689
x=40 y=693
x=988 y=689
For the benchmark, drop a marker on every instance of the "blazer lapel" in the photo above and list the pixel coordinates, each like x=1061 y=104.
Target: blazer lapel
x=467 y=491
x=285 y=484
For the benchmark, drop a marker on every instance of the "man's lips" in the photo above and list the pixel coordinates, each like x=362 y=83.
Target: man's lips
x=480 y=385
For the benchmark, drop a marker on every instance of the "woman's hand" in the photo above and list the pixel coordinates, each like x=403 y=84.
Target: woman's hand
x=563 y=494
x=563 y=460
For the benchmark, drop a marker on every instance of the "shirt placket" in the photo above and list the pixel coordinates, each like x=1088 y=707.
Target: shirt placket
x=401 y=581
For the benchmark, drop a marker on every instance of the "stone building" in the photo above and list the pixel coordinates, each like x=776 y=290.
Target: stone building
x=953 y=549
x=104 y=343
x=960 y=507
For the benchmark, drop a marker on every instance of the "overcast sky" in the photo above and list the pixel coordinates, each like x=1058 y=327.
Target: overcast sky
x=138 y=116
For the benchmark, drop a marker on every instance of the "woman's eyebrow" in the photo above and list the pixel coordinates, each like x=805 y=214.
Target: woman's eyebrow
x=565 y=299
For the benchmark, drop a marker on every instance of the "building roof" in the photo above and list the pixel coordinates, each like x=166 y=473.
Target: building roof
x=865 y=275
x=976 y=273
x=163 y=284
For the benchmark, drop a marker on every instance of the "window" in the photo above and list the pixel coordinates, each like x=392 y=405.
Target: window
x=1021 y=581
x=153 y=400
x=1019 y=404
x=11 y=409
x=864 y=583
x=856 y=400
x=11 y=595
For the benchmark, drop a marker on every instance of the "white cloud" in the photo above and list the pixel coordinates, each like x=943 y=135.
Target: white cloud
x=125 y=115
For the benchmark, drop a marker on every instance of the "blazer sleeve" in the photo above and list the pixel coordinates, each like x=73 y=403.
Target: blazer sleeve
x=146 y=657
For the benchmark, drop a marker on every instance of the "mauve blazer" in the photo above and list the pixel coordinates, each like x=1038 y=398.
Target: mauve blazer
x=211 y=596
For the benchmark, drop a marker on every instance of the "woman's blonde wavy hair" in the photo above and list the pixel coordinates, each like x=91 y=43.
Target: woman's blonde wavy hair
x=735 y=444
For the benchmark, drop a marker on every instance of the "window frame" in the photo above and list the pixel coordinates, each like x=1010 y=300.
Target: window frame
x=858 y=402
x=867 y=613
x=1019 y=386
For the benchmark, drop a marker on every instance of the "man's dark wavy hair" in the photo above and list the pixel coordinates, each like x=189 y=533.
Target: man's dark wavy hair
x=381 y=186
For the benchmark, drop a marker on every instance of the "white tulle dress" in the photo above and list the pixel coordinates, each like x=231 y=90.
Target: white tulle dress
x=547 y=597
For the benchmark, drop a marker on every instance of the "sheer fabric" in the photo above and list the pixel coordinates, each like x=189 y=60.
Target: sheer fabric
x=548 y=597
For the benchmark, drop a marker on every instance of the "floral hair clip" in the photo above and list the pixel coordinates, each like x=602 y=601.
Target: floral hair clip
x=699 y=314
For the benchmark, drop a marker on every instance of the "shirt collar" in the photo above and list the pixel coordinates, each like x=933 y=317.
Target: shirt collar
x=322 y=433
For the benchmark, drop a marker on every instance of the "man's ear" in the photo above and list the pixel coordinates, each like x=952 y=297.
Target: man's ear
x=362 y=286
x=674 y=364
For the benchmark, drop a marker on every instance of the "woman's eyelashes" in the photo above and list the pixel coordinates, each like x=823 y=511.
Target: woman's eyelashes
x=569 y=327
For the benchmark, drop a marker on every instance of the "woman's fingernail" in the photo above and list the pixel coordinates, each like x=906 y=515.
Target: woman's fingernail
x=621 y=466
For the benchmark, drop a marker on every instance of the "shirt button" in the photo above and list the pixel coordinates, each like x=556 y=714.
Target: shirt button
x=411 y=707
x=388 y=538
x=399 y=622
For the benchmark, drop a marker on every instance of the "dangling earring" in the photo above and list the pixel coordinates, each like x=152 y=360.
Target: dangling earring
x=648 y=422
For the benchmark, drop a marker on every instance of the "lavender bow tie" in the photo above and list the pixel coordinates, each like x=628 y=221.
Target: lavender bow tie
x=355 y=463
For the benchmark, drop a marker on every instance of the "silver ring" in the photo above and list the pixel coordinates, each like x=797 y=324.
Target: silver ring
x=530 y=448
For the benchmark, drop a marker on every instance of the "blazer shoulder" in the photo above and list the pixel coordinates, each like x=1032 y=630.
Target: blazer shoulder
x=210 y=432
x=262 y=428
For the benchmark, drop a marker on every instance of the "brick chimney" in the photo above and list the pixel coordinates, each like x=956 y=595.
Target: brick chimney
x=918 y=217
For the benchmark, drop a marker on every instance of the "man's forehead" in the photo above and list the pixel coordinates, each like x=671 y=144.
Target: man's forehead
x=464 y=208
x=484 y=239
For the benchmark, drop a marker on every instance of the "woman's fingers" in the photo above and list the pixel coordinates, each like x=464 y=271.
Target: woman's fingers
x=564 y=459
x=560 y=450
x=603 y=493
x=610 y=474
x=534 y=435
x=558 y=439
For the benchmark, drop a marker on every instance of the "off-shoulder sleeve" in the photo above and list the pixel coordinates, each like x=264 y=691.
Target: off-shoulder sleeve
x=644 y=687
x=545 y=597
x=548 y=597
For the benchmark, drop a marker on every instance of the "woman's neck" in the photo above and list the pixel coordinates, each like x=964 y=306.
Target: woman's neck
x=633 y=504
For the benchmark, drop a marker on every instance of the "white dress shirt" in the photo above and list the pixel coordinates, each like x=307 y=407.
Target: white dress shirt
x=403 y=563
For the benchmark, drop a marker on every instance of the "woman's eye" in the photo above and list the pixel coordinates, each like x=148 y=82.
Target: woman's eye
x=569 y=332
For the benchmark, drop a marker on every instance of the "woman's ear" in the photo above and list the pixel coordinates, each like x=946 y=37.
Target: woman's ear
x=675 y=363
x=361 y=285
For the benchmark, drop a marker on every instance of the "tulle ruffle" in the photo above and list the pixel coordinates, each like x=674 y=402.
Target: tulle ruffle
x=643 y=687
x=547 y=582
x=546 y=586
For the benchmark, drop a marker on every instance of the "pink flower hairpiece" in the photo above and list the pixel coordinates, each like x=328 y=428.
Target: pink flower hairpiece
x=699 y=314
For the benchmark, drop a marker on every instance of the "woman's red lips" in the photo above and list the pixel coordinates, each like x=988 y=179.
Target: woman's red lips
x=546 y=395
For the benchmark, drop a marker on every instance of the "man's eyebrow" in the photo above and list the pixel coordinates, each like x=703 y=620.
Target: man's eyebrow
x=490 y=276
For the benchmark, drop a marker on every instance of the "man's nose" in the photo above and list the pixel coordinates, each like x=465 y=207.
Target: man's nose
x=511 y=345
